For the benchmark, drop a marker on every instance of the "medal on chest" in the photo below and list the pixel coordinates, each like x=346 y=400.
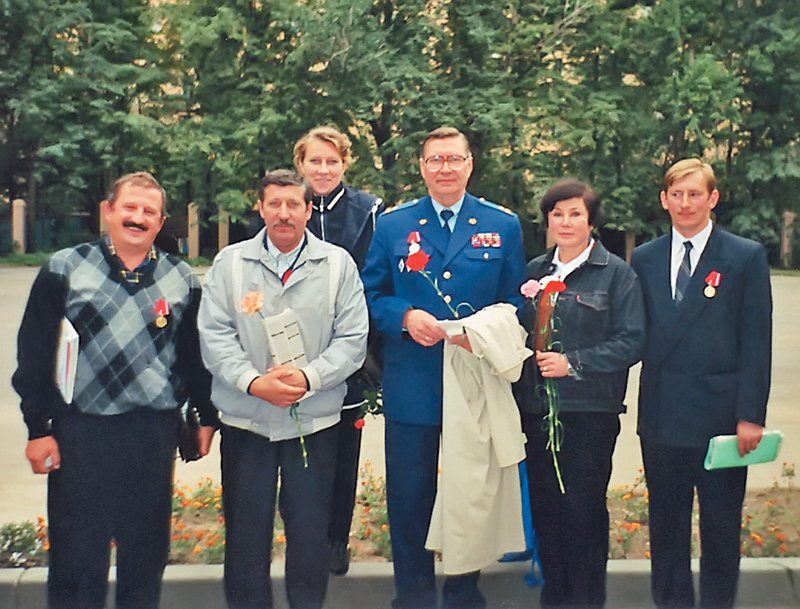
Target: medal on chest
x=161 y=309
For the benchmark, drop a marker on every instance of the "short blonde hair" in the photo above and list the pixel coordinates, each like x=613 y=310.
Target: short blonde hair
x=139 y=178
x=683 y=168
x=327 y=134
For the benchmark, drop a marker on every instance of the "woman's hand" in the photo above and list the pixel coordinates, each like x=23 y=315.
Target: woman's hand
x=551 y=364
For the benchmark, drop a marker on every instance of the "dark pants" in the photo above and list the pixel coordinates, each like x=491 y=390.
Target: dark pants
x=115 y=482
x=346 y=481
x=412 y=461
x=251 y=465
x=672 y=475
x=572 y=528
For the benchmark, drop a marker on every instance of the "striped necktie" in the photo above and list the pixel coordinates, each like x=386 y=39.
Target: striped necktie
x=684 y=274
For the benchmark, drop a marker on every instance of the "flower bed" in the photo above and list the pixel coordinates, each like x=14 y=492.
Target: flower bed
x=770 y=524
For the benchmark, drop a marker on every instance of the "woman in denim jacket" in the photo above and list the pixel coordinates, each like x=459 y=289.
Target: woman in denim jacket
x=596 y=333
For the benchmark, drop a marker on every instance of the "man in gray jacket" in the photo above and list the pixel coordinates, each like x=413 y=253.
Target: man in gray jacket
x=277 y=416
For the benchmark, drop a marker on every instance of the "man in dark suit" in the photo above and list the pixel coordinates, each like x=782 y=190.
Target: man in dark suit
x=472 y=251
x=705 y=372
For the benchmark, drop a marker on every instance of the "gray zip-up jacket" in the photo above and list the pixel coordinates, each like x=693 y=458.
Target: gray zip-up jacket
x=332 y=319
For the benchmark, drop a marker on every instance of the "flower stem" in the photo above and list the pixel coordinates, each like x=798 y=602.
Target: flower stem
x=296 y=417
x=435 y=285
x=554 y=428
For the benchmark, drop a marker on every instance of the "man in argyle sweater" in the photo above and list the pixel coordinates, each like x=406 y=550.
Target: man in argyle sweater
x=109 y=453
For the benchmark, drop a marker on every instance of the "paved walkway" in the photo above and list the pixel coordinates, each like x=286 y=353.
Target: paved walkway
x=764 y=583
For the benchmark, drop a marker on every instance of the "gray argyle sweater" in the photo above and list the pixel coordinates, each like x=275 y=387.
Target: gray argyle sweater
x=125 y=360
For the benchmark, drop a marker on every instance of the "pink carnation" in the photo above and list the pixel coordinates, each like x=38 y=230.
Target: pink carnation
x=530 y=288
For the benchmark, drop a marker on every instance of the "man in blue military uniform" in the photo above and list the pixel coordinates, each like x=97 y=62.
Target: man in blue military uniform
x=472 y=251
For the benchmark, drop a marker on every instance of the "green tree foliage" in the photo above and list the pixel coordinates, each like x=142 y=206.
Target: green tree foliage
x=76 y=84
x=209 y=95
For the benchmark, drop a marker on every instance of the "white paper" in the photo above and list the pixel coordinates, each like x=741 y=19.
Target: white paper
x=67 y=360
x=285 y=341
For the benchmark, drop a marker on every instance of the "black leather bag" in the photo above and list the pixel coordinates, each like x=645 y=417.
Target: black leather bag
x=188 y=441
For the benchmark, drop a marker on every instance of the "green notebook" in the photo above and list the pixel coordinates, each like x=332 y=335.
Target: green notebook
x=723 y=451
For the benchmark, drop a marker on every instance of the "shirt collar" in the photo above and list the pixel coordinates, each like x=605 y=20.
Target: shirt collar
x=147 y=265
x=699 y=242
x=275 y=254
x=565 y=268
x=455 y=208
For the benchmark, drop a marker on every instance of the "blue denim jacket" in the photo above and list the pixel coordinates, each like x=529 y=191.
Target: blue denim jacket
x=600 y=327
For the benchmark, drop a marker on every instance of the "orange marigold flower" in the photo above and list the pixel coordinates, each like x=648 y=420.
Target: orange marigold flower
x=210 y=543
x=757 y=539
x=384 y=527
x=780 y=536
x=199 y=535
x=783 y=548
x=176 y=537
x=280 y=538
x=197 y=550
x=186 y=537
x=46 y=546
x=620 y=539
x=626 y=496
x=647 y=554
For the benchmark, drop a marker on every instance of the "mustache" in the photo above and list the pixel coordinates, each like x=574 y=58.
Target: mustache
x=284 y=223
x=129 y=224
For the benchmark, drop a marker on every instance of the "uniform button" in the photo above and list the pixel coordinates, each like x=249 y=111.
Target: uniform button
x=447 y=299
x=485 y=255
x=446 y=275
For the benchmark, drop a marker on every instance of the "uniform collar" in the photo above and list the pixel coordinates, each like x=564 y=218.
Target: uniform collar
x=323 y=203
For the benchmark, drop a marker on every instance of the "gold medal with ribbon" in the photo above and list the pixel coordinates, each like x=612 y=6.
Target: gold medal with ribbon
x=161 y=309
x=712 y=283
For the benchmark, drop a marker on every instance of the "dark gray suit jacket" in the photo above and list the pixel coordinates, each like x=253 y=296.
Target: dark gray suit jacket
x=707 y=361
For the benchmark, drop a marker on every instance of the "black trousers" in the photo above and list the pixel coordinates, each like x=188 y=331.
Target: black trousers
x=115 y=482
x=251 y=467
x=572 y=528
x=346 y=480
x=672 y=475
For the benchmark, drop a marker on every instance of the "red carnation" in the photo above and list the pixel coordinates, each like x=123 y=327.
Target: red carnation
x=417 y=260
x=554 y=286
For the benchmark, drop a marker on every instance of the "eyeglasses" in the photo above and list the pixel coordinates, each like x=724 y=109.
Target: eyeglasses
x=694 y=196
x=455 y=161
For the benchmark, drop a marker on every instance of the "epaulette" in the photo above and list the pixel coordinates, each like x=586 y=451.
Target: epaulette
x=401 y=206
x=491 y=205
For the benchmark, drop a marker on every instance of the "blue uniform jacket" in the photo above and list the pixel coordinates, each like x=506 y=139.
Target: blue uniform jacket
x=482 y=264
x=707 y=362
